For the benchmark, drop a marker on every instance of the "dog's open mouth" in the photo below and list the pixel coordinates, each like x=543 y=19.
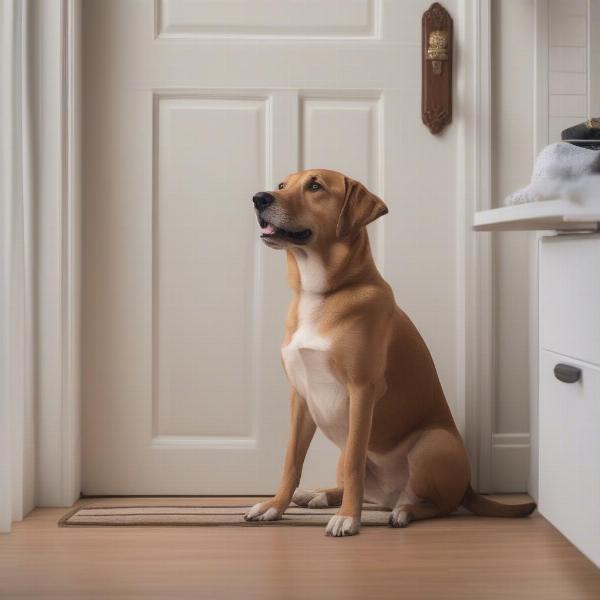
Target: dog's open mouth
x=269 y=230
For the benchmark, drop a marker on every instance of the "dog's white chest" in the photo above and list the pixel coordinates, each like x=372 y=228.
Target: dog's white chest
x=307 y=363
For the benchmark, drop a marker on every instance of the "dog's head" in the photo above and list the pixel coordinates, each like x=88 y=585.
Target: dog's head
x=315 y=207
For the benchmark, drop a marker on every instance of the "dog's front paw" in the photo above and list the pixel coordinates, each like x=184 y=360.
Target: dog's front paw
x=310 y=499
x=339 y=526
x=263 y=511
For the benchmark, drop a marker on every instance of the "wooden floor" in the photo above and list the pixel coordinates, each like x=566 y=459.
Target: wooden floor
x=458 y=557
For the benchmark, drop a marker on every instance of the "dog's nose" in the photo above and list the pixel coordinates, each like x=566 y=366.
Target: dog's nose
x=262 y=200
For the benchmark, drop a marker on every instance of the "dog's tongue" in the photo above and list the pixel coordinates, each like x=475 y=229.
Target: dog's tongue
x=267 y=229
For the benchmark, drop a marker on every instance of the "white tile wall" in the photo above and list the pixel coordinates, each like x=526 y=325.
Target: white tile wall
x=567 y=60
x=569 y=8
x=567 y=65
x=567 y=83
x=568 y=31
x=567 y=105
x=594 y=68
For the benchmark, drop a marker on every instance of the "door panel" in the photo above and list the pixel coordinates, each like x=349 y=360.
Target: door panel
x=342 y=132
x=189 y=108
x=195 y=221
x=274 y=18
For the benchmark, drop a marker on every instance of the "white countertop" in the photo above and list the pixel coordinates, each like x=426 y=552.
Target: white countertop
x=566 y=214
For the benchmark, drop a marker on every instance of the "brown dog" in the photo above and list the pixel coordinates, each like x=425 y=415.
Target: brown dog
x=358 y=367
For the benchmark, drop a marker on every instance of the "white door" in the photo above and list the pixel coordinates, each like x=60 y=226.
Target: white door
x=190 y=107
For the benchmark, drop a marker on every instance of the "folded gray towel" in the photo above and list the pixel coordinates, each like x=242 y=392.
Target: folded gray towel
x=561 y=170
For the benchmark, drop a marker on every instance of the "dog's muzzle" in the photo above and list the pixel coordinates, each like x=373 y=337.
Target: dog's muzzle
x=270 y=231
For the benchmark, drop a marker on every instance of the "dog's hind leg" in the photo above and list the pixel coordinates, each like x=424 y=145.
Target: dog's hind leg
x=403 y=514
x=438 y=478
x=318 y=498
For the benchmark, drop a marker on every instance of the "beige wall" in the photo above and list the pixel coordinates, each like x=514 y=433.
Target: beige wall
x=563 y=93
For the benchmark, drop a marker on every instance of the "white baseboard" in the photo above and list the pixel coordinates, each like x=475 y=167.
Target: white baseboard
x=510 y=462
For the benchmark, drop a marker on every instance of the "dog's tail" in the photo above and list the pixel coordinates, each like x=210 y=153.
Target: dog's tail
x=484 y=507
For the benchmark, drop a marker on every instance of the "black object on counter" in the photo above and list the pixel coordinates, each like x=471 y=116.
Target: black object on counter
x=586 y=135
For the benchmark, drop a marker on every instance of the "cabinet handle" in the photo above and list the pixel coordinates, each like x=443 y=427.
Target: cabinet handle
x=567 y=373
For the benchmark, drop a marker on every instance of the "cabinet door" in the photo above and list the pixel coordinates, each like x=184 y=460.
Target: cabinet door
x=569 y=416
x=570 y=296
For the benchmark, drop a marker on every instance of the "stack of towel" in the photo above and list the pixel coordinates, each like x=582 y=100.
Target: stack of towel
x=562 y=170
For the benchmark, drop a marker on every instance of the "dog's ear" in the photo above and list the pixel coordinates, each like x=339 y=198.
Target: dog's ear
x=360 y=208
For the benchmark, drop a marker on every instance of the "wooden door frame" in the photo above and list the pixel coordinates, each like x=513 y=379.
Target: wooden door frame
x=59 y=421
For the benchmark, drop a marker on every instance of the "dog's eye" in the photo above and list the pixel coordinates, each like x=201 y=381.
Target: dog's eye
x=313 y=186
x=281 y=186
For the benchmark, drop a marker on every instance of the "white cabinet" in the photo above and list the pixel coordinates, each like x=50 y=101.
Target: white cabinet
x=569 y=411
x=567 y=418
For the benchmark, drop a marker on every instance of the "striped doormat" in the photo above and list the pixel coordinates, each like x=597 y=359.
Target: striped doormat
x=207 y=516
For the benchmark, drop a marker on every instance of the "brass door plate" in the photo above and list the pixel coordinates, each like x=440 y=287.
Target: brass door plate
x=436 y=47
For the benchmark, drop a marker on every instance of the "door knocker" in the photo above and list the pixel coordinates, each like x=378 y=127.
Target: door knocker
x=437 y=40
